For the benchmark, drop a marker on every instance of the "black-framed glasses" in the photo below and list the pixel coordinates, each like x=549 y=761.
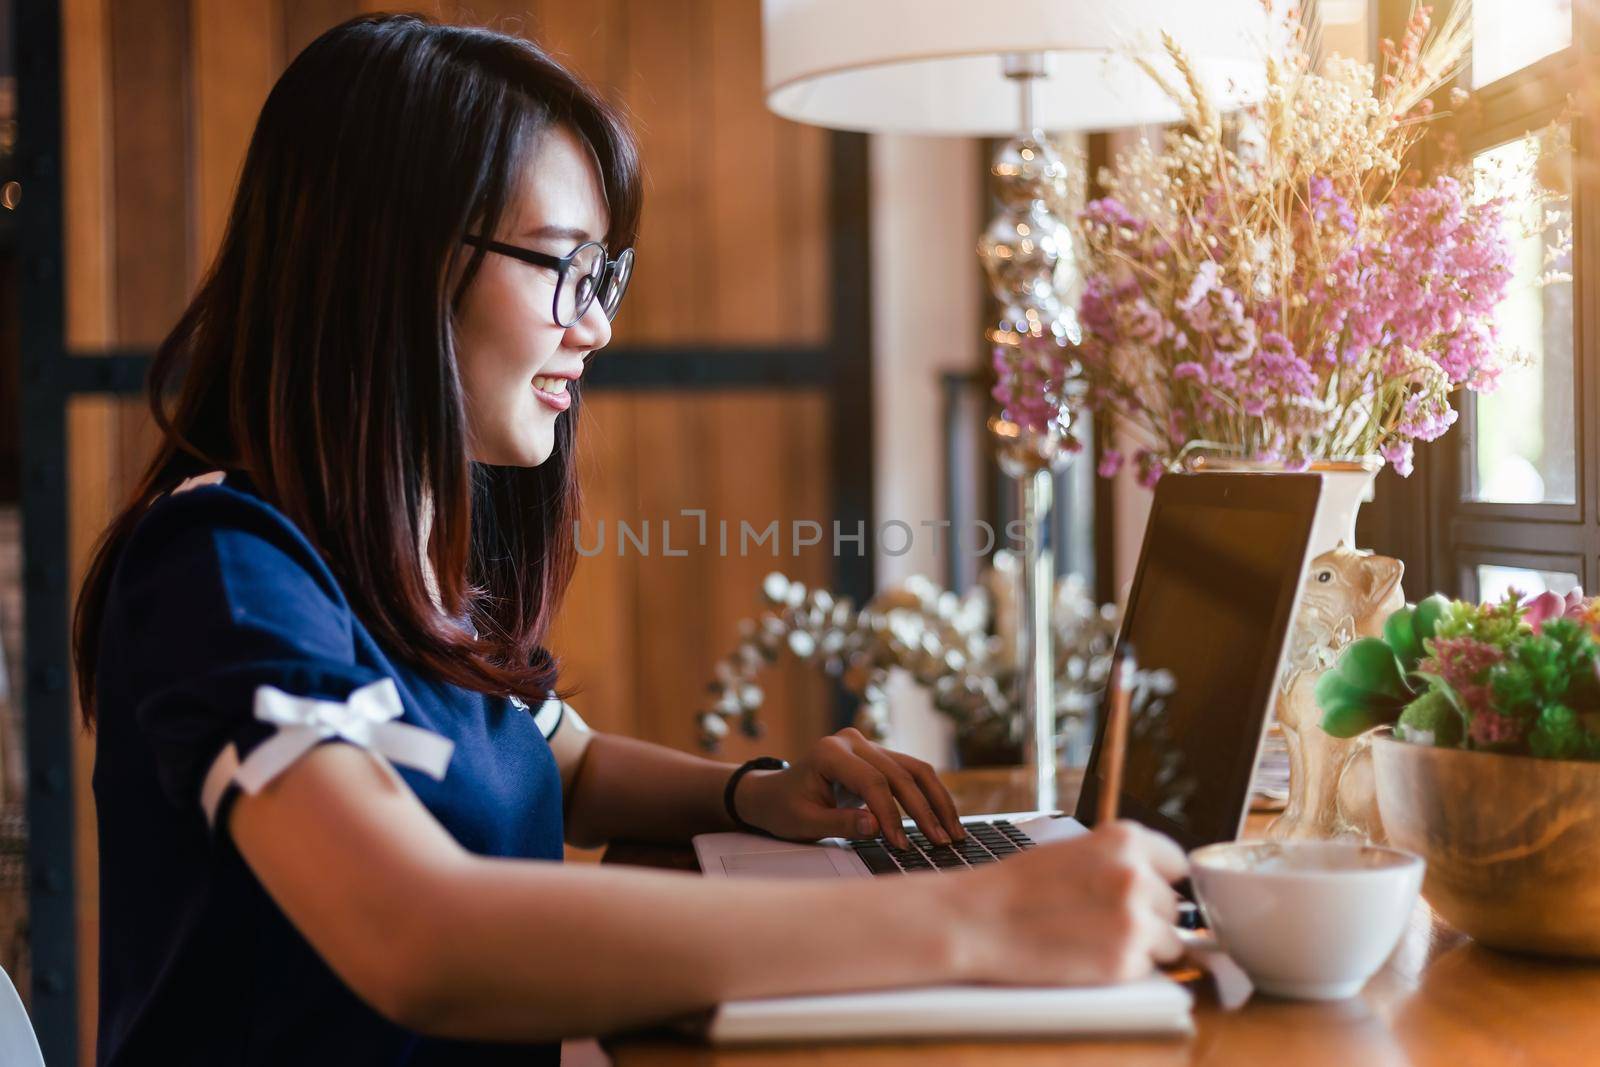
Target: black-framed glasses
x=583 y=275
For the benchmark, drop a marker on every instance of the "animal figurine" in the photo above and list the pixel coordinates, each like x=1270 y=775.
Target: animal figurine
x=1349 y=594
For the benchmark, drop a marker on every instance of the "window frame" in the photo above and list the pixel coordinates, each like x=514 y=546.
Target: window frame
x=1427 y=520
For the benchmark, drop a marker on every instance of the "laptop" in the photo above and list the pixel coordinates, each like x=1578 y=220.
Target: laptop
x=1208 y=617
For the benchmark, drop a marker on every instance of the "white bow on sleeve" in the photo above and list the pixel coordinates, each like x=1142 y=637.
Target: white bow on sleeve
x=366 y=718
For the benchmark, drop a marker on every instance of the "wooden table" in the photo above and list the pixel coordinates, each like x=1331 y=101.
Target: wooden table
x=1440 y=1000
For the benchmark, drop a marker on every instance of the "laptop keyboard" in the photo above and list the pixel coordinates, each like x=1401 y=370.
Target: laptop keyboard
x=985 y=843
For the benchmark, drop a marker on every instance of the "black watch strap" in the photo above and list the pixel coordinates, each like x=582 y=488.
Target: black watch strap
x=760 y=763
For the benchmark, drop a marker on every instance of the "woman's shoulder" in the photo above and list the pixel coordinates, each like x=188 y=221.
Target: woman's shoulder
x=213 y=500
x=217 y=525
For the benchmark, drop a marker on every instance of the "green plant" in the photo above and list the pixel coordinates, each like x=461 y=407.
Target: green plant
x=1368 y=686
x=1510 y=676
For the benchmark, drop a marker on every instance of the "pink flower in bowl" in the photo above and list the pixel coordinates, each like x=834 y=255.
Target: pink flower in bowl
x=1547 y=605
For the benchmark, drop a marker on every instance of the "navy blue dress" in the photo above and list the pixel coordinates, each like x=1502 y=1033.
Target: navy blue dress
x=216 y=600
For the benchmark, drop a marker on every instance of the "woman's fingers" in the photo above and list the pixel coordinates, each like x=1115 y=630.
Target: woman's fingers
x=1164 y=854
x=927 y=779
x=905 y=787
x=1159 y=897
x=913 y=783
x=845 y=766
x=1166 y=945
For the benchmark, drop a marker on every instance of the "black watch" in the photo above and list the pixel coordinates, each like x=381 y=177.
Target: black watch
x=760 y=763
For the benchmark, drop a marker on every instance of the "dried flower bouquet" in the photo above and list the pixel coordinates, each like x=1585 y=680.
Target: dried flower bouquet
x=1280 y=285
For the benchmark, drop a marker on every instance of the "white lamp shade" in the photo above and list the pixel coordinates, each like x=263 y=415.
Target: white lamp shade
x=934 y=66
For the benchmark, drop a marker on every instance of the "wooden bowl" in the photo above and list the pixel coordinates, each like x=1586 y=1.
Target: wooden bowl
x=1512 y=842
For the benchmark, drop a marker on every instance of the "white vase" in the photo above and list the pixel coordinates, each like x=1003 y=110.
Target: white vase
x=1346 y=485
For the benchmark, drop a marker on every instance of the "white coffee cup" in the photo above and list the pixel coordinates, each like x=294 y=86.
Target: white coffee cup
x=1306 y=919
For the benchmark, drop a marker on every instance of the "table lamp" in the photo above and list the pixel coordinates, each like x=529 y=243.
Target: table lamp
x=1012 y=68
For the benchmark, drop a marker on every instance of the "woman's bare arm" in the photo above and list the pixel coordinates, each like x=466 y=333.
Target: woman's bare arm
x=449 y=943
x=614 y=786
x=455 y=944
x=621 y=787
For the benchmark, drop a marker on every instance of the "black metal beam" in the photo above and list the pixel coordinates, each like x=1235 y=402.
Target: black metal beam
x=1105 y=509
x=678 y=368
x=696 y=368
x=113 y=371
x=41 y=416
x=850 y=351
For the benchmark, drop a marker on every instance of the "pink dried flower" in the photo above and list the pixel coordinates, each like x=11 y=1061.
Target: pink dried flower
x=1149 y=468
x=1399 y=454
x=1489 y=727
x=1030 y=384
x=1293 y=292
x=1327 y=206
x=1462 y=662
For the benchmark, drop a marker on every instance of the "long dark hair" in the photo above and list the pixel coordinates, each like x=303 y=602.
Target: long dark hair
x=318 y=355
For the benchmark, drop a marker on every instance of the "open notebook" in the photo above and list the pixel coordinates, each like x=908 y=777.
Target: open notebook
x=1155 y=1005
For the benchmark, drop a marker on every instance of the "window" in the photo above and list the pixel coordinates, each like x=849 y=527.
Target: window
x=1509 y=35
x=1510 y=498
x=1495 y=581
x=1524 y=448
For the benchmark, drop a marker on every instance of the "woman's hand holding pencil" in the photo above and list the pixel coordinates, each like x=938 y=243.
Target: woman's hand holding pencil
x=1097 y=908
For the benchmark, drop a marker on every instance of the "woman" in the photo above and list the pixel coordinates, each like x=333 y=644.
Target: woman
x=358 y=528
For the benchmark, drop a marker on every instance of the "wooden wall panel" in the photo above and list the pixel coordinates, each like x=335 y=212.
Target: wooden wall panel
x=665 y=89
x=86 y=143
x=804 y=240
x=237 y=54
x=808 y=444
x=590 y=38
x=305 y=20
x=152 y=195
x=744 y=263
x=152 y=207
x=505 y=16
x=741 y=456
x=672 y=639
x=766 y=449
x=594 y=635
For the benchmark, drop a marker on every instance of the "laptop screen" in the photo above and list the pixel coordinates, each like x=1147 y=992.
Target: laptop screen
x=1207 y=618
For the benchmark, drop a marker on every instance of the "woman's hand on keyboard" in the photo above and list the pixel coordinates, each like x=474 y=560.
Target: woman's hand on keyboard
x=1097 y=908
x=799 y=802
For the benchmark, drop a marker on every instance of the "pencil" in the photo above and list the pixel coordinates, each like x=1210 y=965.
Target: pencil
x=1116 y=739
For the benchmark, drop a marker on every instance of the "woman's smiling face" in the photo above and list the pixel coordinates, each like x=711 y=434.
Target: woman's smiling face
x=516 y=363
